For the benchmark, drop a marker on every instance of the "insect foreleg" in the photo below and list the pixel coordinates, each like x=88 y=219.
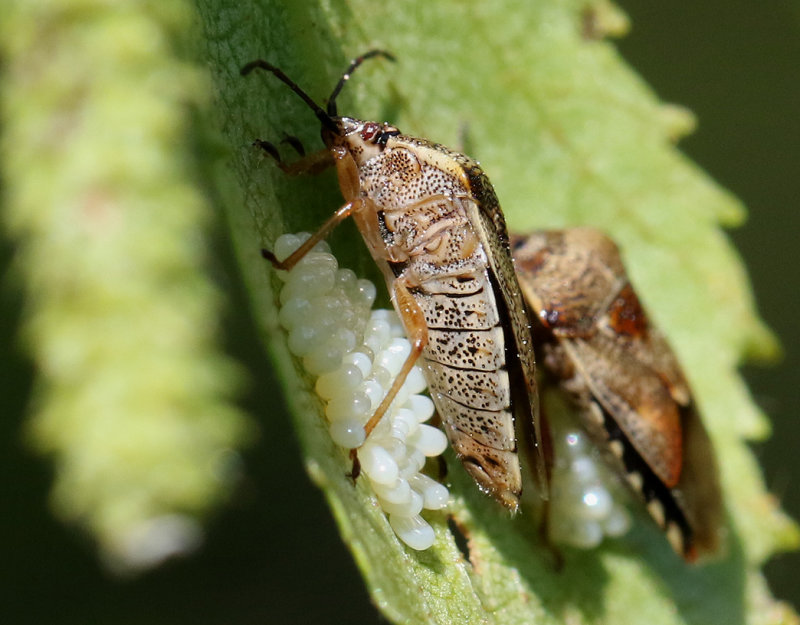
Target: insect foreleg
x=295 y=143
x=313 y=163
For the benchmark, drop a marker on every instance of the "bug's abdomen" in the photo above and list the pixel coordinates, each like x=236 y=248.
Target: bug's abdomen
x=465 y=365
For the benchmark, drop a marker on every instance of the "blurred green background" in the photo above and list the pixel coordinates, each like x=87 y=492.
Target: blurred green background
x=736 y=65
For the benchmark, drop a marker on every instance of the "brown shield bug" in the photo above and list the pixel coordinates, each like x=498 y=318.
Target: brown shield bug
x=625 y=380
x=432 y=222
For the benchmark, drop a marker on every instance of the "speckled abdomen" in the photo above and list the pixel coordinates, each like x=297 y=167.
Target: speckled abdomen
x=465 y=365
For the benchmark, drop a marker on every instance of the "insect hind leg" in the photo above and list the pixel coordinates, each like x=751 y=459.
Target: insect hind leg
x=417 y=329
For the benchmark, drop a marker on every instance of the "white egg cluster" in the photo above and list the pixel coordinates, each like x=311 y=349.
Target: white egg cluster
x=583 y=503
x=357 y=354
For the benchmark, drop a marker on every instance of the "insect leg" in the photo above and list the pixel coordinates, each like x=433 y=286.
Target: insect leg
x=296 y=144
x=334 y=220
x=417 y=330
x=313 y=163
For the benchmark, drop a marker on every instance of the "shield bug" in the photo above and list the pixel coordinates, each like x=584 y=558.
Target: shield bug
x=432 y=222
x=625 y=380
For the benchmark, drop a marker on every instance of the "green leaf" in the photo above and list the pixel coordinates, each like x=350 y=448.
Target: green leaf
x=102 y=201
x=568 y=135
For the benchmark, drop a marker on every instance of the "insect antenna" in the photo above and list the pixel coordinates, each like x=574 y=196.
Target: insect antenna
x=349 y=72
x=322 y=116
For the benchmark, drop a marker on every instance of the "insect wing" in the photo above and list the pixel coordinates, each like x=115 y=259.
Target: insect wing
x=636 y=397
x=698 y=493
x=494 y=237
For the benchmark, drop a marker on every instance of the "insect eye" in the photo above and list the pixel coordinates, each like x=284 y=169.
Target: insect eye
x=369 y=131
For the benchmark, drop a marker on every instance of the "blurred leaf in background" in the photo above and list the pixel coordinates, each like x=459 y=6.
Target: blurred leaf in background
x=131 y=398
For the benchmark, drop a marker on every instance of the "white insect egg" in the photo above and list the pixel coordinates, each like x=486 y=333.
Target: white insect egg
x=415 y=382
x=348 y=433
x=376 y=334
x=294 y=312
x=406 y=419
x=381 y=376
x=429 y=440
x=618 y=522
x=414 y=462
x=435 y=496
x=360 y=360
x=328 y=354
x=346 y=279
x=395 y=446
x=378 y=464
x=414 y=531
x=422 y=407
x=583 y=469
x=598 y=502
x=400 y=429
x=412 y=507
x=394 y=355
x=303 y=339
x=400 y=399
x=384 y=314
x=375 y=392
x=286 y=244
x=348 y=406
x=348 y=377
x=398 y=493
x=323 y=359
x=583 y=495
x=310 y=278
x=365 y=293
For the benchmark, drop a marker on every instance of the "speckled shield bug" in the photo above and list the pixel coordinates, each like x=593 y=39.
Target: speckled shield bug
x=626 y=382
x=432 y=222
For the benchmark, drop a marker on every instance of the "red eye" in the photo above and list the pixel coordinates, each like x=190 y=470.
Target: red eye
x=369 y=131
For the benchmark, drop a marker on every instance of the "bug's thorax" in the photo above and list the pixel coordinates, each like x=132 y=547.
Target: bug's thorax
x=352 y=144
x=411 y=193
x=578 y=272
